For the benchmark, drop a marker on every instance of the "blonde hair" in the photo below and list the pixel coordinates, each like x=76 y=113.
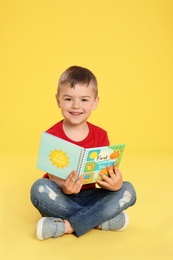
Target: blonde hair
x=77 y=75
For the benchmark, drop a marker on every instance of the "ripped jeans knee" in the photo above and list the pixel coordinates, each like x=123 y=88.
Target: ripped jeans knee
x=129 y=195
x=42 y=187
x=42 y=193
x=50 y=201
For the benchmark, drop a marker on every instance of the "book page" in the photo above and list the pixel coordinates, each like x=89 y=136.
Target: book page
x=57 y=156
x=97 y=159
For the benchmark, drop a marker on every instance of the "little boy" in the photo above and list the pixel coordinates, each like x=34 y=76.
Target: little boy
x=68 y=206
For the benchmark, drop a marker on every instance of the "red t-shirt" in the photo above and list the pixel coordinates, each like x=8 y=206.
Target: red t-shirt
x=96 y=137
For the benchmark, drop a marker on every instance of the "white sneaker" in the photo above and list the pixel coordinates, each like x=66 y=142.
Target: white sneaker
x=118 y=223
x=48 y=227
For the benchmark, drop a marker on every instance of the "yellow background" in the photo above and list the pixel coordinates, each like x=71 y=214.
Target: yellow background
x=127 y=44
x=129 y=47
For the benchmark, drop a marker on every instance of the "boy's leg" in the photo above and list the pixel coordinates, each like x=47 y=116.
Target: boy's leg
x=50 y=201
x=85 y=210
x=102 y=206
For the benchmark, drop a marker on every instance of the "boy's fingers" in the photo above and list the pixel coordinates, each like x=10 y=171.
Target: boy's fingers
x=116 y=170
x=71 y=178
x=105 y=178
x=110 y=170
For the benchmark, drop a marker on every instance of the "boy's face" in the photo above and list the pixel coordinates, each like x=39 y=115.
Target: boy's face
x=76 y=103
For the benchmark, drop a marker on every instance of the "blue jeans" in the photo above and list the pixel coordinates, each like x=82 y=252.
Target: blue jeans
x=85 y=210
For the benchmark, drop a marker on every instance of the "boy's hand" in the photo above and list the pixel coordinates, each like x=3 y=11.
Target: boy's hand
x=71 y=185
x=112 y=182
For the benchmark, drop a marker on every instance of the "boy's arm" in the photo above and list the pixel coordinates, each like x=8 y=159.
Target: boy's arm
x=70 y=185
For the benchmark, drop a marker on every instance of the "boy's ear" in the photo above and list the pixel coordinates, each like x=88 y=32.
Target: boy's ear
x=57 y=100
x=96 y=101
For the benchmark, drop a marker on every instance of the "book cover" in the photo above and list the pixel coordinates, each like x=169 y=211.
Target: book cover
x=60 y=157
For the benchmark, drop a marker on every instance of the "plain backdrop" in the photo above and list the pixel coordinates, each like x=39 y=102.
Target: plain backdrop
x=128 y=45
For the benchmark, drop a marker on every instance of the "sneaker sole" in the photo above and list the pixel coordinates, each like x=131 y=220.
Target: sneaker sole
x=39 y=228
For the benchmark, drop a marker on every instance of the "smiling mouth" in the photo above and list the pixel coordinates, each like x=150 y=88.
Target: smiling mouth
x=76 y=113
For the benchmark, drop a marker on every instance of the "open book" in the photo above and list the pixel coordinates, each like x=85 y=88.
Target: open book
x=60 y=158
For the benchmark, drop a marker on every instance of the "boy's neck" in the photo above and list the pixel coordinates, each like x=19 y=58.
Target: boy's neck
x=76 y=132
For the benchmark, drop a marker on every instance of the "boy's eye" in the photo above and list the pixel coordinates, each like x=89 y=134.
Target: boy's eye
x=67 y=99
x=84 y=100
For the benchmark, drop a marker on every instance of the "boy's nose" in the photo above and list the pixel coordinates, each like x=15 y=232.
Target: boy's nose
x=75 y=104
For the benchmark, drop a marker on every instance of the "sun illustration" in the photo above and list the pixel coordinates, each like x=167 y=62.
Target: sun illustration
x=93 y=154
x=59 y=159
